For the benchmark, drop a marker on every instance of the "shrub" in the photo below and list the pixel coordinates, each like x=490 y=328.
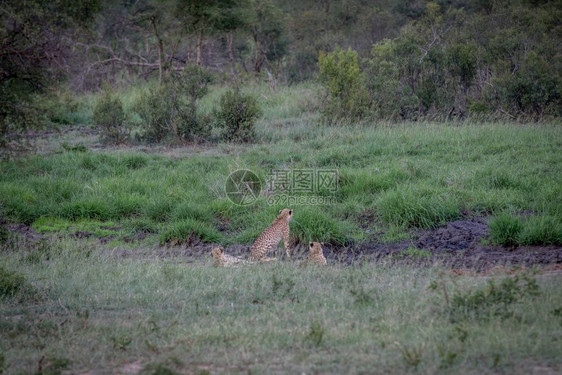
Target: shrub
x=109 y=116
x=170 y=110
x=237 y=115
x=505 y=230
x=346 y=94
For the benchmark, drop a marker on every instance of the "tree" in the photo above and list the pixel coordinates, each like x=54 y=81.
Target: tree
x=204 y=18
x=35 y=43
x=266 y=24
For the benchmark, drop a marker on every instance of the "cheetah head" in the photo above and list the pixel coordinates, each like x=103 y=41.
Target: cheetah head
x=315 y=248
x=217 y=252
x=286 y=214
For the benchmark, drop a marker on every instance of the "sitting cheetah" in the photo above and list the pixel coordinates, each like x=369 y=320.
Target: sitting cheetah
x=272 y=235
x=220 y=259
x=316 y=256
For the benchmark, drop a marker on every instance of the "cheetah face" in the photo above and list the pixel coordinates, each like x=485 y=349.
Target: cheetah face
x=315 y=248
x=216 y=252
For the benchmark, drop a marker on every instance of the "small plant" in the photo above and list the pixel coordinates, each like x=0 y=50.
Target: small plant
x=109 y=116
x=316 y=333
x=237 y=115
x=362 y=297
x=505 y=230
x=73 y=148
x=11 y=283
x=412 y=355
x=494 y=299
x=52 y=366
x=447 y=356
x=415 y=253
x=121 y=342
x=281 y=287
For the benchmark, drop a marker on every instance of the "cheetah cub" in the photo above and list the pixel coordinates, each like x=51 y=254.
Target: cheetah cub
x=316 y=256
x=220 y=259
x=270 y=237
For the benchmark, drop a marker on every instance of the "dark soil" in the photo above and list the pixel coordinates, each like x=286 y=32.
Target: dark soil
x=457 y=245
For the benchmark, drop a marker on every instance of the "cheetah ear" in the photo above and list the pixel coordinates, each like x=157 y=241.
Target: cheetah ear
x=290 y=212
x=280 y=211
x=311 y=244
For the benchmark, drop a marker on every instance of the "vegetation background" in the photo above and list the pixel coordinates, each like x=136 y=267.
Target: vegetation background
x=120 y=120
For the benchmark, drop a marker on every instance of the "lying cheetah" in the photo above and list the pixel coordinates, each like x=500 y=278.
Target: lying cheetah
x=220 y=259
x=316 y=256
x=270 y=237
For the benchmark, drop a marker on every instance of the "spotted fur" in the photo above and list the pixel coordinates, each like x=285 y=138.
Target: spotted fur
x=315 y=256
x=220 y=259
x=270 y=237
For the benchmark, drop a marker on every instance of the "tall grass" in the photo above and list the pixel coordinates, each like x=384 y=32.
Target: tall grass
x=407 y=176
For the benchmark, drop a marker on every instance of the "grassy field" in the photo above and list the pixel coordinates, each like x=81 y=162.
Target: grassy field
x=69 y=308
x=74 y=305
x=403 y=176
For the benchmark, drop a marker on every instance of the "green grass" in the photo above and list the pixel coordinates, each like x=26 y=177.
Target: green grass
x=409 y=176
x=103 y=314
x=512 y=230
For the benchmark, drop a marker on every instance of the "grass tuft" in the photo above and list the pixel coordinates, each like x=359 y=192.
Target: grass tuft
x=505 y=230
x=185 y=230
x=12 y=284
x=541 y=230
x=418 y=206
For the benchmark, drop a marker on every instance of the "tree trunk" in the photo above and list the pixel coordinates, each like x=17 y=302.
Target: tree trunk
x=198 y=49
x=160 y=51
x=258 y=60
x=229 y=39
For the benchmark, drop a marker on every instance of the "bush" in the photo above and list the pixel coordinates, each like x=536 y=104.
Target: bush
x=346 y=93
x=237 y=115
x=109 y=116
x=169 y=111
x=505 y=230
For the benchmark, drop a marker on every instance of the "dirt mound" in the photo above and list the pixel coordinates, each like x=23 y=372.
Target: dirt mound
x=457 y=245
x=455 y=236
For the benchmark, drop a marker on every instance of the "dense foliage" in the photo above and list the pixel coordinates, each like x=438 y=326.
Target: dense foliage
x=500 y=62
x=170 y=109
x=410 y=60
